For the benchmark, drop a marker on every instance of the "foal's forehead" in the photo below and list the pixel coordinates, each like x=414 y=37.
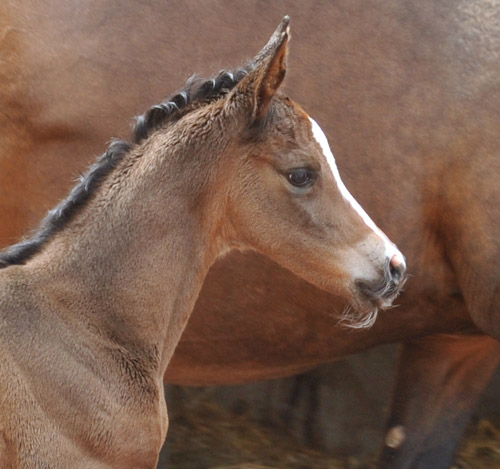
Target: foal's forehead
x=289 y=137
x=292 y=122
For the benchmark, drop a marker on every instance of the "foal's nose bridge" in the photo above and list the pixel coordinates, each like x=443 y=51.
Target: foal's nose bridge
x=397 y=267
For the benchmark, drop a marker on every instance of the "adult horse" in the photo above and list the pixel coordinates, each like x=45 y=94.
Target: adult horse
x=409 y=96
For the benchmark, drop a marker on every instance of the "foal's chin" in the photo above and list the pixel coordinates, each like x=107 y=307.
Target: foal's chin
x=364 y=306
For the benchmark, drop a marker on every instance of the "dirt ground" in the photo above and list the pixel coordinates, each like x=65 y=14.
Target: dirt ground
x=206 y=436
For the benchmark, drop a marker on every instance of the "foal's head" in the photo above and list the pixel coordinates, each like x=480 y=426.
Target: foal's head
x=286 y=198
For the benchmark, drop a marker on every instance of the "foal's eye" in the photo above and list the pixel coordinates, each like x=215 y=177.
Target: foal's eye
x=300 y=177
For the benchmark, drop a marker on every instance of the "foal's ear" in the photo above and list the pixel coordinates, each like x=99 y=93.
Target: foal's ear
x=268 y=70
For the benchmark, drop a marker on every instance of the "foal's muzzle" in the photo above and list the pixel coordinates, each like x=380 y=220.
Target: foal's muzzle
x=382 y=293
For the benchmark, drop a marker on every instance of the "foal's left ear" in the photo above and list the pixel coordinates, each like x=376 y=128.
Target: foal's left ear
x=268 y=70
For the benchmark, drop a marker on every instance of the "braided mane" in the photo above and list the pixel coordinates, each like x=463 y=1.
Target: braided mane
x=197 y=92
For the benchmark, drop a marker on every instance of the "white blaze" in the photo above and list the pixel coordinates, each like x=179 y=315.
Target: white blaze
x=320 y=137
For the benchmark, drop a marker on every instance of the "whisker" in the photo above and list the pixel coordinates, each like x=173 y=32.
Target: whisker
x=352 y=319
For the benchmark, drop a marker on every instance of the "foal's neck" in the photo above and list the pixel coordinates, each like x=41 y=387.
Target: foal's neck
x=131 y=265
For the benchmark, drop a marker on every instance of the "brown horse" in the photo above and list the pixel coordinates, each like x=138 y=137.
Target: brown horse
x=103 y=291
x=410 y=91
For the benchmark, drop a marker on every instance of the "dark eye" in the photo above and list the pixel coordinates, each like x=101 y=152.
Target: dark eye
x=300 y=177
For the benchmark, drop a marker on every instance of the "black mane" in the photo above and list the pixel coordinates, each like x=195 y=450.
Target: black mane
x=197 y=92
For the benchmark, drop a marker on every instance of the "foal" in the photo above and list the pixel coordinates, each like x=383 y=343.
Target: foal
x=93 y=306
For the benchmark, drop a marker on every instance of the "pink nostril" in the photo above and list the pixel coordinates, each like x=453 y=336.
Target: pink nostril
x=397 y=267
x=397 y=260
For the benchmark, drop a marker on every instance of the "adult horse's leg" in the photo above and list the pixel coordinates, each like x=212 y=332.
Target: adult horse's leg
x=467 y=218
x=440 y=379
